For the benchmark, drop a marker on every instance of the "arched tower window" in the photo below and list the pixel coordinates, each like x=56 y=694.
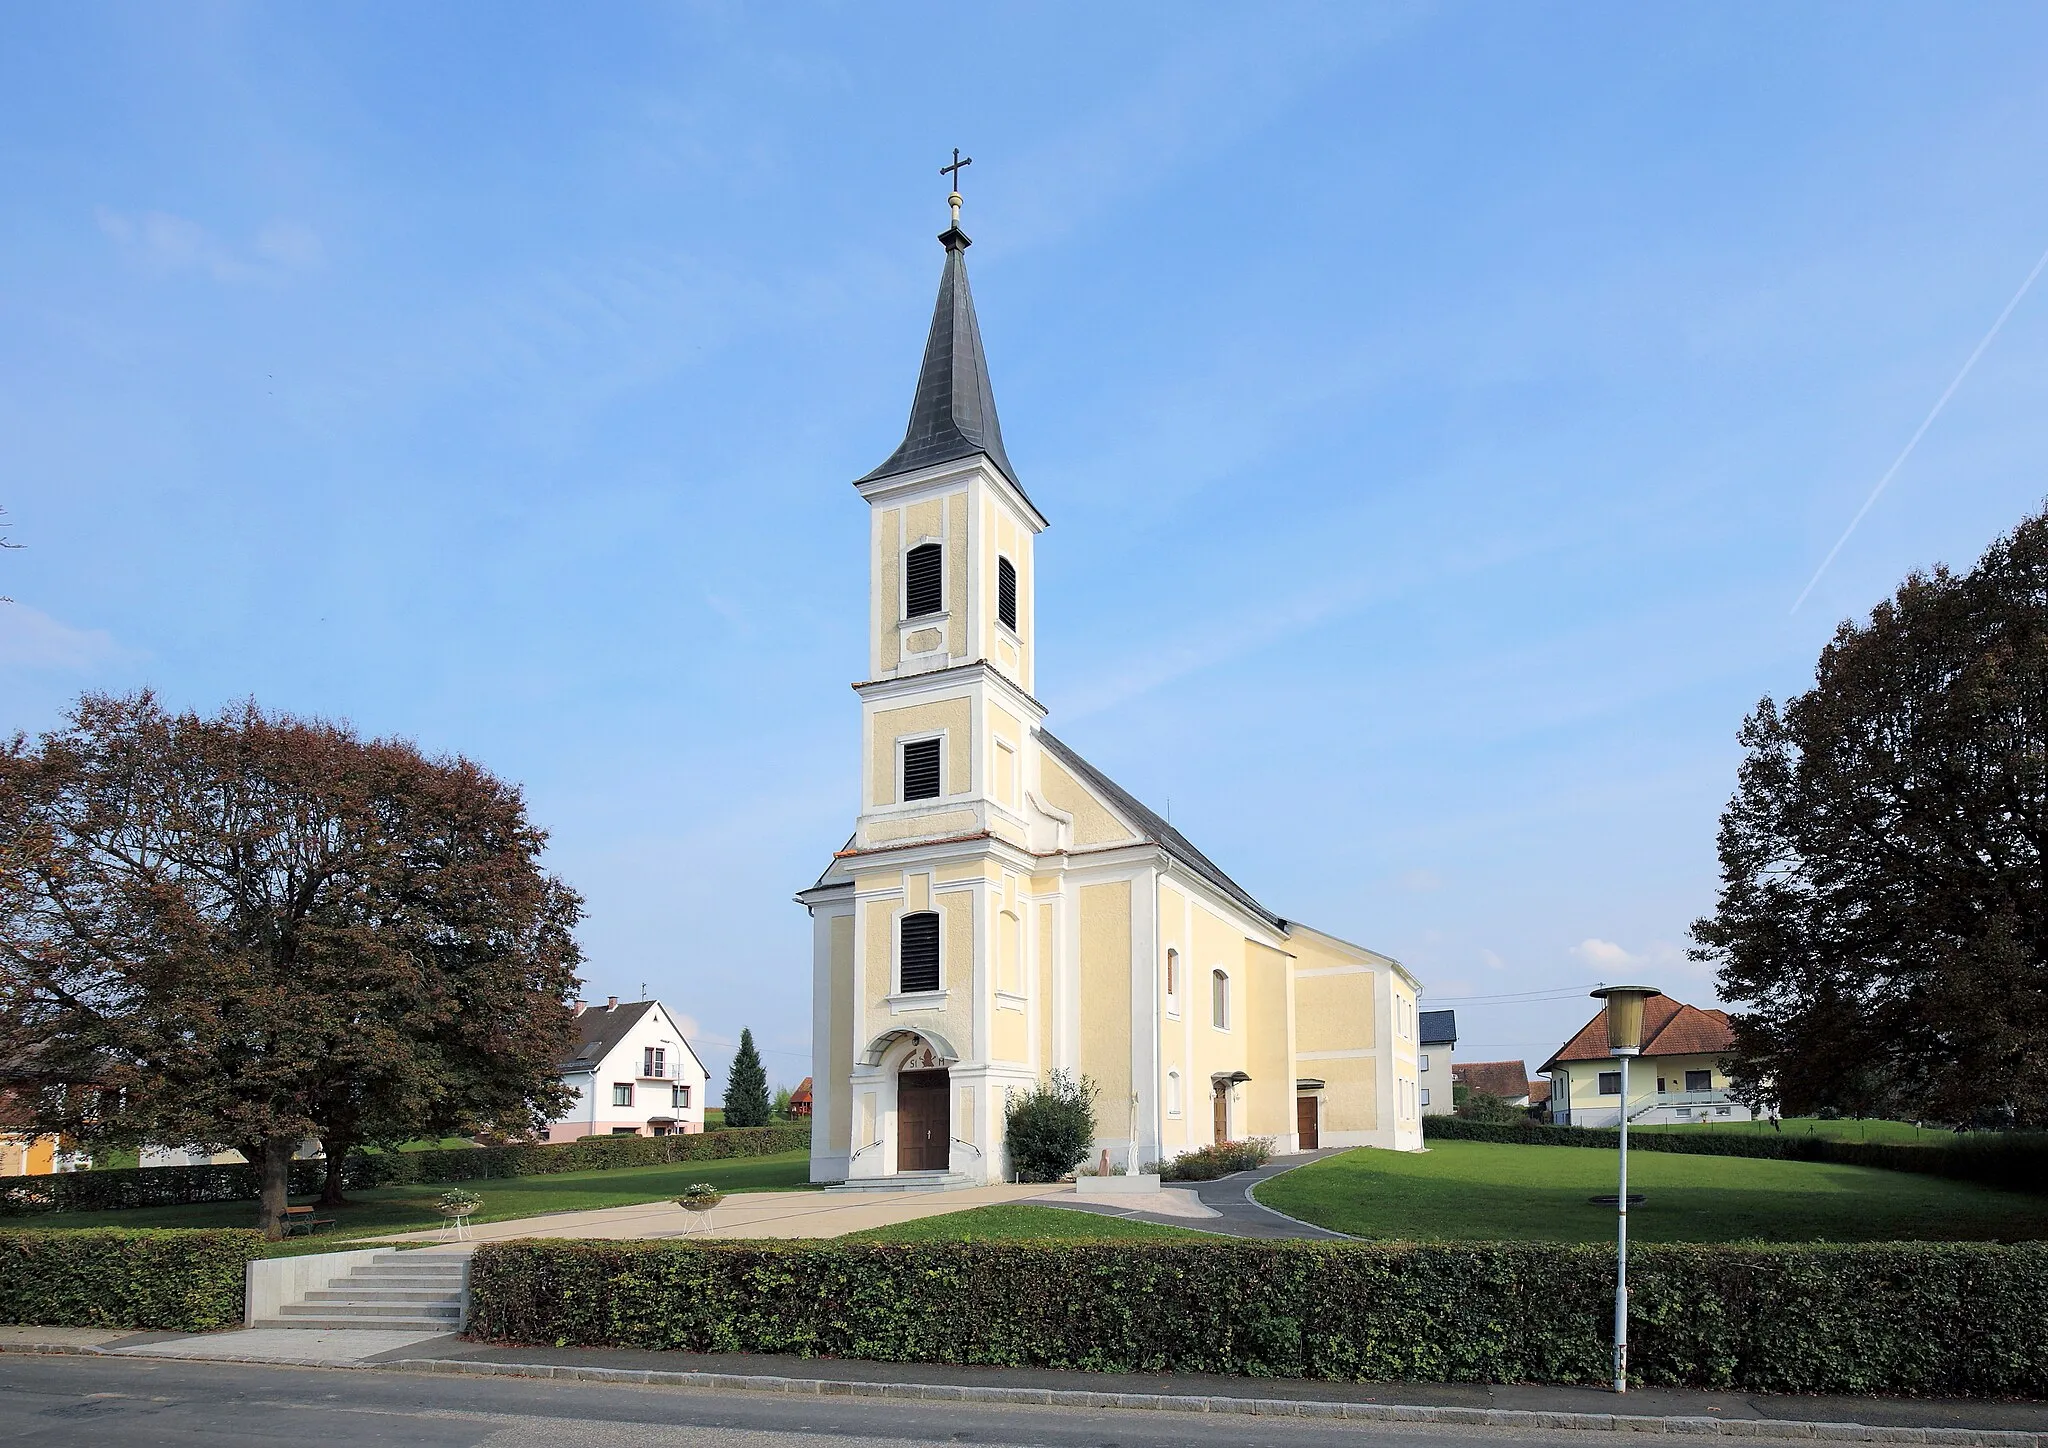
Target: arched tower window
x=1219 y=1000
x=1006 y=593
x=920 y=953
x=1173 y=980
x=924 y=581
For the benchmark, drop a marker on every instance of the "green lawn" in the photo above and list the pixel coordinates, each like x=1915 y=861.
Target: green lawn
x=1023 y=1224
x=408 y=1208
x=1839 y=1130
x=1480 y=1191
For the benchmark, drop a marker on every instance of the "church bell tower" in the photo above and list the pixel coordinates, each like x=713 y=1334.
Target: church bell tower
x=947 y=706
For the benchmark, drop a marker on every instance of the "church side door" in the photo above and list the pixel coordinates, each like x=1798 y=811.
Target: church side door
x=924 y=1120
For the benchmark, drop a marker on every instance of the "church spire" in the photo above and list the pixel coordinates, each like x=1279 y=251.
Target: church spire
x=953 y=414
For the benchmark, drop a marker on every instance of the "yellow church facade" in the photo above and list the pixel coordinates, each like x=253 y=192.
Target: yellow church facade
x=1004 y=909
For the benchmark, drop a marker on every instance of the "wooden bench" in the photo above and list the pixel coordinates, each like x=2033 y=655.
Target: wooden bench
x=301 y=1219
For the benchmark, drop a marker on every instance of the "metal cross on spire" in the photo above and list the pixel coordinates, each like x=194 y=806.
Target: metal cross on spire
x=954 y=170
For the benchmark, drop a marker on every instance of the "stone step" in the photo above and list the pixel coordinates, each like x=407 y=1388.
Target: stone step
x=356 y=1292
x=908 y=1181
x=439 y=1311
x=405 y=1279
x=361 y=1324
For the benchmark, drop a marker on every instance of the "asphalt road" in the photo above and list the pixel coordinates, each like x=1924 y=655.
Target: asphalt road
x=110 y=1402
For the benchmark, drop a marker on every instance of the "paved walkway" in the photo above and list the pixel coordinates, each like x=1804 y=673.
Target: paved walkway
x=743 y=1215
x=1230 y=1198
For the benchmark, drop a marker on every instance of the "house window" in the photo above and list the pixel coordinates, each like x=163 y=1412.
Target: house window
x=625 y=1131
x=1219 y=1000
x=654 y=1062
x=920 y=970
x=1425 y=1068
x=622 y=1093
x=1660 y=1085
x=923 y=581
x=1173 y=1093
x=1699 y=1080
x=920 y=769
x=1425 y=1096
x=679 y=1098
x=1610 y=1083
x=1006 y=593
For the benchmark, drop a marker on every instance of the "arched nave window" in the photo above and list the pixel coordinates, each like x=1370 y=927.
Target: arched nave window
x=1173 y=982
x=1219 y=1000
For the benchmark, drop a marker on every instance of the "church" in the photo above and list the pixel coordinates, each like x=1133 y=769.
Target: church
x=1004 y=909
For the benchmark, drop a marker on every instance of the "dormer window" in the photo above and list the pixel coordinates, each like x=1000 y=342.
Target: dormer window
x=1006 y=593
x=924 y=581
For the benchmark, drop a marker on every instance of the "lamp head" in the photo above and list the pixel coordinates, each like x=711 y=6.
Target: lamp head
x=1625 y=1016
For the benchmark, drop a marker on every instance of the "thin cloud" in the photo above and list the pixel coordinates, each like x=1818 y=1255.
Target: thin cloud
x=31 y=639
x=162 y=243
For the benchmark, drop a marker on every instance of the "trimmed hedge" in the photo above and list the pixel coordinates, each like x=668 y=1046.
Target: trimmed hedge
x=159 y=1186
x=1918 y=1318
x=185 y=1281
x=2017 y=1162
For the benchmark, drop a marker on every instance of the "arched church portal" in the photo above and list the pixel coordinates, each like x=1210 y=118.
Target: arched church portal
x=924 y=1111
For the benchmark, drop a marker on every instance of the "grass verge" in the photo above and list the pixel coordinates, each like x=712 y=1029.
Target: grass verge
x=1471 y=1191
x=1018 y=1223
x=410 y=1208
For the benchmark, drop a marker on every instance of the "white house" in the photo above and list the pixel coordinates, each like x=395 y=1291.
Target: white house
x=633 y=1074
x=1439 y=1045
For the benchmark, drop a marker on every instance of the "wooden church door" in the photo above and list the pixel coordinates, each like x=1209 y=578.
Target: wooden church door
x=1308 y=1124
x=924 y=1120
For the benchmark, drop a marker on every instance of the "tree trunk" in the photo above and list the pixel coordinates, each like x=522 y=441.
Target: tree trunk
x=274 y=1170
x=337 y=1147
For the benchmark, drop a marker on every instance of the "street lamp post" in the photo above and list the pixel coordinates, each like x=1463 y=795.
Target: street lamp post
x=1624 y=1039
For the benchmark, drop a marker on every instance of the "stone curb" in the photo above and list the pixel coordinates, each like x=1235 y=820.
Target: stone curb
x=1260 y=1407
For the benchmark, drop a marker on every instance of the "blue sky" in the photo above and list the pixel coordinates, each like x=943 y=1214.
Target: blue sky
x=1439 y=409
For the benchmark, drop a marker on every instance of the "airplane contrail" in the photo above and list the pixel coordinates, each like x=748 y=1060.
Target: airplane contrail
x=1900 y=460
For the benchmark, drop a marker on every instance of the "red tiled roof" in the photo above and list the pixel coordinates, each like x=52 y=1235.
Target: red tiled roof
x=803 y=1092
x=1670 y=1028
x=1508 y=1080
x=1539 y=1091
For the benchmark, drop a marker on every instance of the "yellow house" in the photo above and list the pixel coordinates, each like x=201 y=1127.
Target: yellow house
x=1678 y=1078
x=1004 y=909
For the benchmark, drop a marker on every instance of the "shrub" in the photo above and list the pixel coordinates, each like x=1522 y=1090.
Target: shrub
x=1922 y=1318
x=1207 y=1163
x=2017 y=1162
x=1483 y=1106
x=157 y=1186
x=1049 y=1128
x=183 y=1281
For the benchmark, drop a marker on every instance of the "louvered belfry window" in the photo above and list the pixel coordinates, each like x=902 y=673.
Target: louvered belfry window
x=1006 y=593
x=920 y=951
x=921 y=769
x=923 y=581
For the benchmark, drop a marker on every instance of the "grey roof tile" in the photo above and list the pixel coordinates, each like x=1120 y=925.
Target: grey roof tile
x=1158 y=831
x=953 y=414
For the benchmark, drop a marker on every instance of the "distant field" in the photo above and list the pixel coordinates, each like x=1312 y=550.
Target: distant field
x=1023 y=1224
x=1482 y=1191
x=409 y=1208
x=1839 y=1130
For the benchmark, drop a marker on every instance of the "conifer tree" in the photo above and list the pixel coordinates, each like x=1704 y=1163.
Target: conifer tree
x=746 y=1086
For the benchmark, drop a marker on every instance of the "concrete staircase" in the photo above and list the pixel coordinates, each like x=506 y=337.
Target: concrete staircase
x=908 y=1181
x=392 y=1292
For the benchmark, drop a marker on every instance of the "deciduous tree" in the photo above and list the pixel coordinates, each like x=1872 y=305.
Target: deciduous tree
x=250 y=929
x=1883 y=912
